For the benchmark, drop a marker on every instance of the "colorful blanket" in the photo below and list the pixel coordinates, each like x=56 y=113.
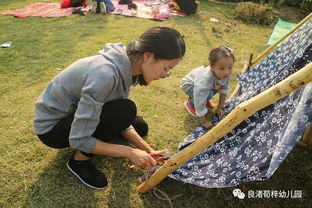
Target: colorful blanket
x=144 y=9
x=280 y=29
x=45 y=9
x=41 y=9
x=255 y=149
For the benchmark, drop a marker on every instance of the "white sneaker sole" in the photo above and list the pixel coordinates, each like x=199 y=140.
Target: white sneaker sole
x=93 y=7
x=103 y=8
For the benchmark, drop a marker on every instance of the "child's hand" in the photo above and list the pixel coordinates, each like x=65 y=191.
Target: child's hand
x=203 y=122
x=217 y=87
x=220 y=112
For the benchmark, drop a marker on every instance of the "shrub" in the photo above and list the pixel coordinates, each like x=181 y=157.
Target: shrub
x=252 y=13
x=306 y=6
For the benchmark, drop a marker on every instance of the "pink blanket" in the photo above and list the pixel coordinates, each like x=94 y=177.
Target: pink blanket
x=41 y=9
x=144 y=9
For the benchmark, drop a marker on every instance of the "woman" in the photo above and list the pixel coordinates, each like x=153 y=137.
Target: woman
x=87 y=105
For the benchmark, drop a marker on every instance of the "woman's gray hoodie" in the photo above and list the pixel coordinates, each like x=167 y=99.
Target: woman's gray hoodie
x=82 y=89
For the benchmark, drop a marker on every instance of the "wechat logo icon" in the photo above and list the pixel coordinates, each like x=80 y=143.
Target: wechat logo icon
x=238 y=193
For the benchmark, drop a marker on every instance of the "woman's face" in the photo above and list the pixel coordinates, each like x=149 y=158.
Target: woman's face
x=153 y=69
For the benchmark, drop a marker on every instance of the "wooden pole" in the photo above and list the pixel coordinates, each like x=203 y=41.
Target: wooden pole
x=237 y=87
x=239 y=114
x=307 y=137
x=271 y=48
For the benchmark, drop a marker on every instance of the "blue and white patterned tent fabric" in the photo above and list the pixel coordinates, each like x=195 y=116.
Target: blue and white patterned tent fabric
x=254 y=149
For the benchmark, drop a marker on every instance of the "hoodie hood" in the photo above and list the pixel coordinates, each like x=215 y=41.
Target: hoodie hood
x=117 y=55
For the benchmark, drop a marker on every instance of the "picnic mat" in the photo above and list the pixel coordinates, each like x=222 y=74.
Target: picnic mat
x=144 y=9
x=280 y=29
x=40 y=9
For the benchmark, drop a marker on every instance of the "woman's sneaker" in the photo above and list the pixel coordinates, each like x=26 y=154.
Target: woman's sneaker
x=87 y=173
x=103 y=8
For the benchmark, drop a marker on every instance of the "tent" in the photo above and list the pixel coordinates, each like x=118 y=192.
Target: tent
x=263 y=122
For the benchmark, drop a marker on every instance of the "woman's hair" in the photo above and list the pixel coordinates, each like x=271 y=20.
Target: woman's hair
x=164 y=42
x=220 y=52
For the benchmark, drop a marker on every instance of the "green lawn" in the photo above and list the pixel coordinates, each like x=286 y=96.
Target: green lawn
x=33 y=175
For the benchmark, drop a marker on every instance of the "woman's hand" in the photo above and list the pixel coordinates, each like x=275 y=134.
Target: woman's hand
x=160 y=152
x=141 y=158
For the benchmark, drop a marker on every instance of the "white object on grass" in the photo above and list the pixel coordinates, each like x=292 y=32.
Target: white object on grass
x=6 y=45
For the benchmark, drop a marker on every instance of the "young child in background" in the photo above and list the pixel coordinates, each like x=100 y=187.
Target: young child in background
x=202 y=83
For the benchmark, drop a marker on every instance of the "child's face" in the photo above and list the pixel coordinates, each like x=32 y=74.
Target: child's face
x=223 y=68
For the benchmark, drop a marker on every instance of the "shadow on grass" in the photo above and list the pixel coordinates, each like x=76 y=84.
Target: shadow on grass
x=293 y=174
x=57 y=187
x=120 y=178
x=187 y=195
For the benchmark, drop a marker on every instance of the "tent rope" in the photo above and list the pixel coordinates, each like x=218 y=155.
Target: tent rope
x=157 y=192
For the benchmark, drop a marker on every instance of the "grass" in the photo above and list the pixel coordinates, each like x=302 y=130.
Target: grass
x=33 y=175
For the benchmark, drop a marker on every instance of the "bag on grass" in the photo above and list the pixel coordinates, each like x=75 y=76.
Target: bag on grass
x=65 y=3
x=78 y=3
x=188 y=6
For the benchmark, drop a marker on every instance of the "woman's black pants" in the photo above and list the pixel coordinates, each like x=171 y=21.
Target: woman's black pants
x=116 y=116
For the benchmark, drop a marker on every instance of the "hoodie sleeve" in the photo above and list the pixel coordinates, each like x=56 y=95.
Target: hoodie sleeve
x=96 y=89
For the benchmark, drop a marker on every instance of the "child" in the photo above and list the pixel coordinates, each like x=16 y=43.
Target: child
x=202 y=83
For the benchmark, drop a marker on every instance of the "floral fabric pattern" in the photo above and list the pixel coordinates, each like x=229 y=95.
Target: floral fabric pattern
x=254 y=149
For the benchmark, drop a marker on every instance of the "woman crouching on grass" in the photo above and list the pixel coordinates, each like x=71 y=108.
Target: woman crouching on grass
x=86 y=105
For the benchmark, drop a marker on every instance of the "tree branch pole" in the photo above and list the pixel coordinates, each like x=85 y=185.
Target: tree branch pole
x=307 y=137
x=239 y=114
x=237 y=87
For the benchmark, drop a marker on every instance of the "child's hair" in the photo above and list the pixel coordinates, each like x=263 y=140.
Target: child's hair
x=220 y=52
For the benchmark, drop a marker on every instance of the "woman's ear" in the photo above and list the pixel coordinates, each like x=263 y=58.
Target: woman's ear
x=147 y=56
